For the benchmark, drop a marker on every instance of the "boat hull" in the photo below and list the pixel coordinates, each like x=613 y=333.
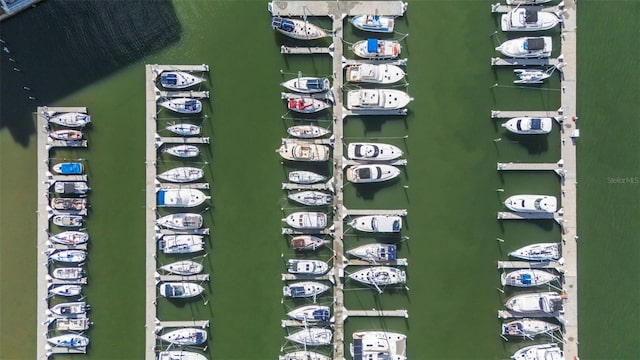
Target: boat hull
x=304 y=152
x=377 y=223
x=531 y=203
x=70 y=168
x=529 y=126
x=377 y=49
x=380 y=276
x=183 y=151
x=297 y=29
x=307 y=220
x=307 y=267
x=71 y=187
x=307 y=131
x=70 y=238
x=68 y=220
x=539 y=352
x=362 y=174
x=311 y=198
x=523 y=19
x=311 y=313
x=538 y=252
x=303 y=355
x=307 y=242
x=69 y=256
x=66 y=135
x=375 y=252
x=180 y=290
x=374 y=73
x=185 y=129
x=306 y=105
x=377 y=99
x=69 y=341
x=312 y=336
x=181 y=198
x=186 y=337
x=527 y=278
x=304 y=289
x=182 y=174
x=184 y=267
x=178 y=80
x=374 y=23
x=181 y=244
x=66 y=290
x=307 y=85
x=71 y=120
x=183 y=105
x=373 y=151
x=539 y=47
x=305 y=177
x=528 y=328
x=181 y=221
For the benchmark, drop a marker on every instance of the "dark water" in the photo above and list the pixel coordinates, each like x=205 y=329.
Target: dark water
x=449 y=186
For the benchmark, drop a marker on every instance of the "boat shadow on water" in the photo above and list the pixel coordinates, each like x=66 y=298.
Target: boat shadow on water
x=80 y=48
x=535 y=144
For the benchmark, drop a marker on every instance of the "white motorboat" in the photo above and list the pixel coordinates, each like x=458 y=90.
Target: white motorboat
x=70 y=119
x=181 y=221
x=528 y=328
x=181 y=244
x=307 y=131
x=69 y=168
x=66 y=290
x=184 y=267
x=527 y=278
x=311 y=198
x=183 y=151
x=532 y=203
x=307 y=242
x=305 y=177
x=374 y=23
x=360 y=174
x=181 y=198
x=66 y=135
x=69 y=256
x=75 y=204
x=303 y=355
x=526 y=2
x=311 y=313
x=306 y=104
x=531 y=76
x=529 y=126
x=377 y=223
x=538 y=252
x=71 y=187
x=72 y=324
x=179 y=80
x=70 y=238
x=180 y=290
x=375 y=252
x=373 y=151
x=304 y=289
x=535 y=303
x=68 y=220
x=183 y=105
x=306 y=220
x=374 y=73
x=311 y=336
x=182 y=174
x=69 y=341
x=307 y=267
x=307 y=84
x=70 y=308
x=377 y=49
x=377 y=99
x=304 y=152
x=529 y=19
x=180 y=355
x=378 y=345
x=527 y=47
x=68 y=273
x=185 y=336
x=184 y=129
x=299 y=29
x=380 y=276
x=549 y=351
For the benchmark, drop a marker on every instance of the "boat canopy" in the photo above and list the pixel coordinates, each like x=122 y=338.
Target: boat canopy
x=369 y=151
x=321 y=315
x=364 y=173
x=283 y=24
x=173 y=291
x=531 y=16
x=526 y=279
x=315 y=84
x=372 y=45
x=191 y=104
x=161 y=197
x=71 y=168
x=169 y=79
x=396 y=225
x=297 y=291
x=534 y=44
x=536 y=124
x=357 y=349
x=388 y=252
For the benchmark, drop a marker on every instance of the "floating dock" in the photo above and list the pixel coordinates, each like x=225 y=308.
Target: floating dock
x=507 y=314
x=497 y=61
x=375 y=313
x=529 y=265
x=365 y=212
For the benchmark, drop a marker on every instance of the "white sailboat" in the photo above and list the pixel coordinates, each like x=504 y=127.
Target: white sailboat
x=183 y=105
x=311 y=336
x=375 y=252
x=182 y=174
x=304 y=289
x=184 y=267
x=181 y=198
x=178 y=79
x=306 y=220
x=305 y=177
x=181 y=221
x=180 y=290
x=183 y=151
x=528 y=328
x=538 y=252
x=311 y=198
x=185 y=336
x=527 y=278
x=549 y=351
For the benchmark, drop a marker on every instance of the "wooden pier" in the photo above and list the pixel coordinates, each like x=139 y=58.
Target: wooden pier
x=398 y=162
x=508 y=314
x=497 y=61
x=501 y=9
x=200 y=186
x=182 y=94
x=359 y=262
x=502 y=114
x=305 y=50
x=180 y=140
x=365 y=212
x=375 y=313
x=197 y=278
x=529 y=265
x=293 y=186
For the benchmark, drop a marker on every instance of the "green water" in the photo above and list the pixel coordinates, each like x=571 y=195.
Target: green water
x=449 y=186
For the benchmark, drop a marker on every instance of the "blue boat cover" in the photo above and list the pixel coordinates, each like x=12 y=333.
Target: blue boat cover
x=169 y=79
x=168 y=291
x=536 y=124
x=161 y=197
x=390 y=252
x=315 y=84
x=357 y=349
x=321 y=315
x=297 y=291
x=283 y=24
x=71 y=168
x=396 y=225
x=372 y=45
x=526 y=279
x=199 y=338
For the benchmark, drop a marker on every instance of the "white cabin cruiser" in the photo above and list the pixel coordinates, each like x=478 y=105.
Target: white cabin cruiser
x=184 y=129
x=526 y=2
x=70 y=308
x=178 y=80
x=307 y=220
x=373 y=151
x=68 y=204
x=529 y=19
x=311 y=336
x=378 y=345
x=531 y=76
x=70 y=119
x=549 y=351
x=377 y=49
x=181 y=221
x=72 y=324
x=307 y=84
x=369 y=173
x=183 y=105
x=303 y=355
x=311 y=198
x=183 y=151
x=66 y=135
x=307 y=242
x=532 y=203
x=311 y=313
x=306 y=104
x=374 y=23
x=181 y=244
x=374 y=73
x=304 y=152
x=529 y=126
x=182 y=174
x=71 y=238
x=527 y=278
x=535 y=303
x=304 y=289
x=380 y=276
x=69 y=341
x=185 y=336
x=68 y=220
x=181 y=198
x=297 y=28
x=307 y=131
x=528 y=328
x=69 y=256
x=527 y=47
x=538 y=252
x=66 y=290
x=71 y=187
x=307 y=267
x=377 y=99
x=180 y=290
x=305 y=177
x=184 y=267
x=375 y=252
x=377 y=223
x=180 y=355
x=68 y=273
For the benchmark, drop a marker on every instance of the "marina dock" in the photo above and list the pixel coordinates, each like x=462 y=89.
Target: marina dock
x=497 y=61
x=182 y=94
x=556 y=167
x=502 y=114
x=375 y=313
x=44 y=280
x=199 y=186
x=508 y=215
x=365 y=212
x=198 y=278
x=293 y=186
x=507 y=314
x=396 y=262
x=529 y=265
x=180 y=140
x=305 y=50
